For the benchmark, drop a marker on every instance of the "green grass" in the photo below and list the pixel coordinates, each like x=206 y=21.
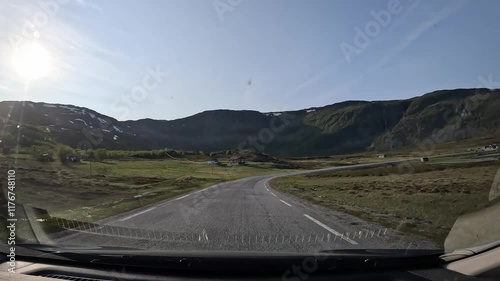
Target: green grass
x=425 y=200
x=72 y=192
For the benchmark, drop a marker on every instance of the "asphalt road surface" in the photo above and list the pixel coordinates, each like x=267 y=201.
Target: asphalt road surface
x=241 y=215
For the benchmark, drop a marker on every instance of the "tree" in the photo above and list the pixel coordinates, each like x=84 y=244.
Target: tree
x=91 y=154
x=101 y=154
x=63 y=151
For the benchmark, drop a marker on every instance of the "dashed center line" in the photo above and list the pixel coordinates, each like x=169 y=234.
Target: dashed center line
x=181 y=197
x=286 y=203
x=331 y=230
x=273 y=194
x=136 y=214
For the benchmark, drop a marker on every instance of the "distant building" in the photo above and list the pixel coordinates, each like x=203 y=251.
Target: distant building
x=213 y=162
x=381 y=155
x=73 y=158
x=424 y=159
x=236 y=160
x=490 y=147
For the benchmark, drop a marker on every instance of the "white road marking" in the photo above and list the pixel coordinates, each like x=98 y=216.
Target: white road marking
x=286 y=203
x=331 y=230
x=181 y=197
x=273 y=194
x=136 y=214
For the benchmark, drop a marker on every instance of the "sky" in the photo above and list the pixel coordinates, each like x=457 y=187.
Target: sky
x=174 y=58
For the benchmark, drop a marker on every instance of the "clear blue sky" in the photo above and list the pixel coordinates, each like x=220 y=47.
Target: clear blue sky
x=289 y=50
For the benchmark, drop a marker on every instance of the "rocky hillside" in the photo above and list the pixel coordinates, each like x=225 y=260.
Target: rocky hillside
x=339 y=128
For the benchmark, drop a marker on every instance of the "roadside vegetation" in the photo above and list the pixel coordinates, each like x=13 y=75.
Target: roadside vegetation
x=421 y=198
x=94 y=189
x=92 y=185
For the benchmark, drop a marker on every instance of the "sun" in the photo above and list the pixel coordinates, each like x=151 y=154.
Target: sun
x=31 y=61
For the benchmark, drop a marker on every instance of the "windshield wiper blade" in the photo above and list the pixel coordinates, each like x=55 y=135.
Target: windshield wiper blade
x=388 y=258
x=327 y=261
x=64 y=251
x=70 y=248
x=384 y=252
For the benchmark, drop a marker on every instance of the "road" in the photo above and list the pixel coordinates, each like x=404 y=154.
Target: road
x=241 y=215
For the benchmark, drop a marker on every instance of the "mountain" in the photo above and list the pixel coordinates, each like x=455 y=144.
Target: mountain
x=344 y=127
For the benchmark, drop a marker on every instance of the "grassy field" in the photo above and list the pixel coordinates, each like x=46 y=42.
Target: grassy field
x=93 y=191
x=424 y=200
x=78 y=191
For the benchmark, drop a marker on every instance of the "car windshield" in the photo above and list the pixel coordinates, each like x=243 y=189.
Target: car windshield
x=242 y=126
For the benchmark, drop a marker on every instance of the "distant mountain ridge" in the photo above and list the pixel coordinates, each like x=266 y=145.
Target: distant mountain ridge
x=344 y=127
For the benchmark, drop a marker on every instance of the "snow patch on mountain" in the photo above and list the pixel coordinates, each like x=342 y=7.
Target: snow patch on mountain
x=102 y=120
x=117 y=129
x=81 y=120
x=71 y=108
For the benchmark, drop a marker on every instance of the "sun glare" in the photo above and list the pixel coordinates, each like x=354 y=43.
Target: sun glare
x=31 y=61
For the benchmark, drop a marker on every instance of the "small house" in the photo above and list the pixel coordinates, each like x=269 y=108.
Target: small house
x=236 y=160
x=424 y=159
x=73 y=158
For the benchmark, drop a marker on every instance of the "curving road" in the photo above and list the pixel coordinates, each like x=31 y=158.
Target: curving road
x=241 y=215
